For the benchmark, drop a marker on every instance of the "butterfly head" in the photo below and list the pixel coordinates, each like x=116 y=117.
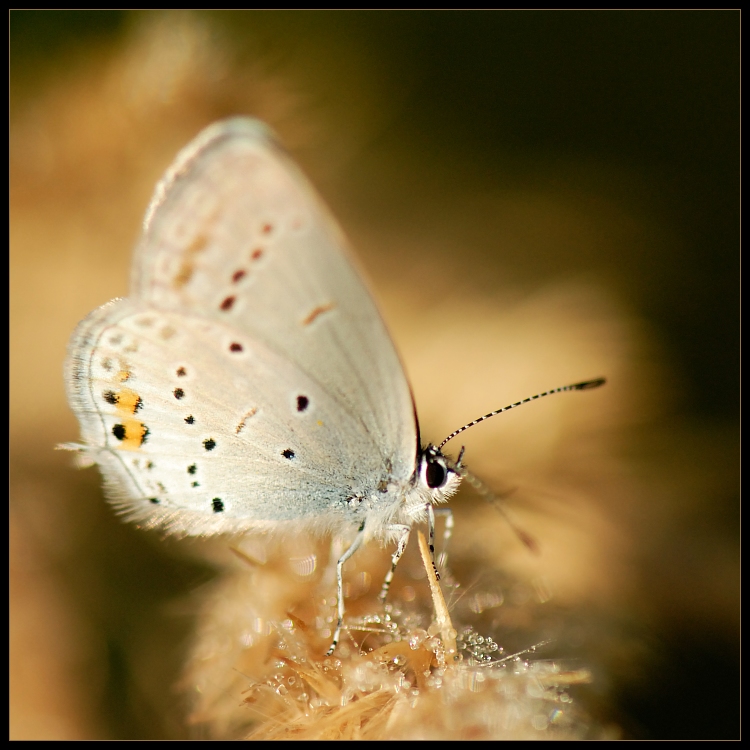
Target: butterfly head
x=437 y=475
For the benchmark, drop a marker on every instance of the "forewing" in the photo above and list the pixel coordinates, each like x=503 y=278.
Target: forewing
x=236 y=234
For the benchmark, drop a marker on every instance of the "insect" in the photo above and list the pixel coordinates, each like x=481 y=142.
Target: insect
x=248 y=382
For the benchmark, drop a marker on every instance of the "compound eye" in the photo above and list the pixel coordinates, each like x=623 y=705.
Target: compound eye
x=435 y=474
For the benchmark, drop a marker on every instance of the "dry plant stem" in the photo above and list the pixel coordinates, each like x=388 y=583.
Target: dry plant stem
x=442 y=618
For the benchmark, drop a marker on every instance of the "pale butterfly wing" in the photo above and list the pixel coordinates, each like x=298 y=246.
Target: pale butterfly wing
x=250 y=378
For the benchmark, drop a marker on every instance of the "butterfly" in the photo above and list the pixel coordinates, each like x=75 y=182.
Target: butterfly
x=248 y=382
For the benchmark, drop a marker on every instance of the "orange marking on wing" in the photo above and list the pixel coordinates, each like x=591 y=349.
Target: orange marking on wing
x=128 y=401
x=184 y=274
x=123 y=375
x=319 y=310
x=242 y=423
x=197 y=245
x=135 y=435
x=187 y=267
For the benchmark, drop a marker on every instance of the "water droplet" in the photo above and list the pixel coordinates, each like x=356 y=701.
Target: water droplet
x=417 y=638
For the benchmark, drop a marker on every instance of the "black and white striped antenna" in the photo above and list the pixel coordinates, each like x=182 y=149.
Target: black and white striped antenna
x=585 y=386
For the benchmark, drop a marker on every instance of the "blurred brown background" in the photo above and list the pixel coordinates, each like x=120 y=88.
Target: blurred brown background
x=538 y=198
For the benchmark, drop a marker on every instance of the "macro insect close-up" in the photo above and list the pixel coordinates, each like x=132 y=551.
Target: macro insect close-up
x=249 y=383
x=362 y=481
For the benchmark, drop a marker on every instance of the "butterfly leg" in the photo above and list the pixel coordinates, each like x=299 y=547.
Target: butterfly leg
x=431 y=527
x=400 y=547
x=447 y=513
x=356 y=544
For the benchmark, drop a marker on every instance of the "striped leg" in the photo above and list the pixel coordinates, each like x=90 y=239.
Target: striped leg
x=431 y=529
x=400 y=547
x=442 y=560
x=356 y=544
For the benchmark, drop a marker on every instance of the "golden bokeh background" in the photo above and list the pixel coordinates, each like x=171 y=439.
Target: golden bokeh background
x=537 y=198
